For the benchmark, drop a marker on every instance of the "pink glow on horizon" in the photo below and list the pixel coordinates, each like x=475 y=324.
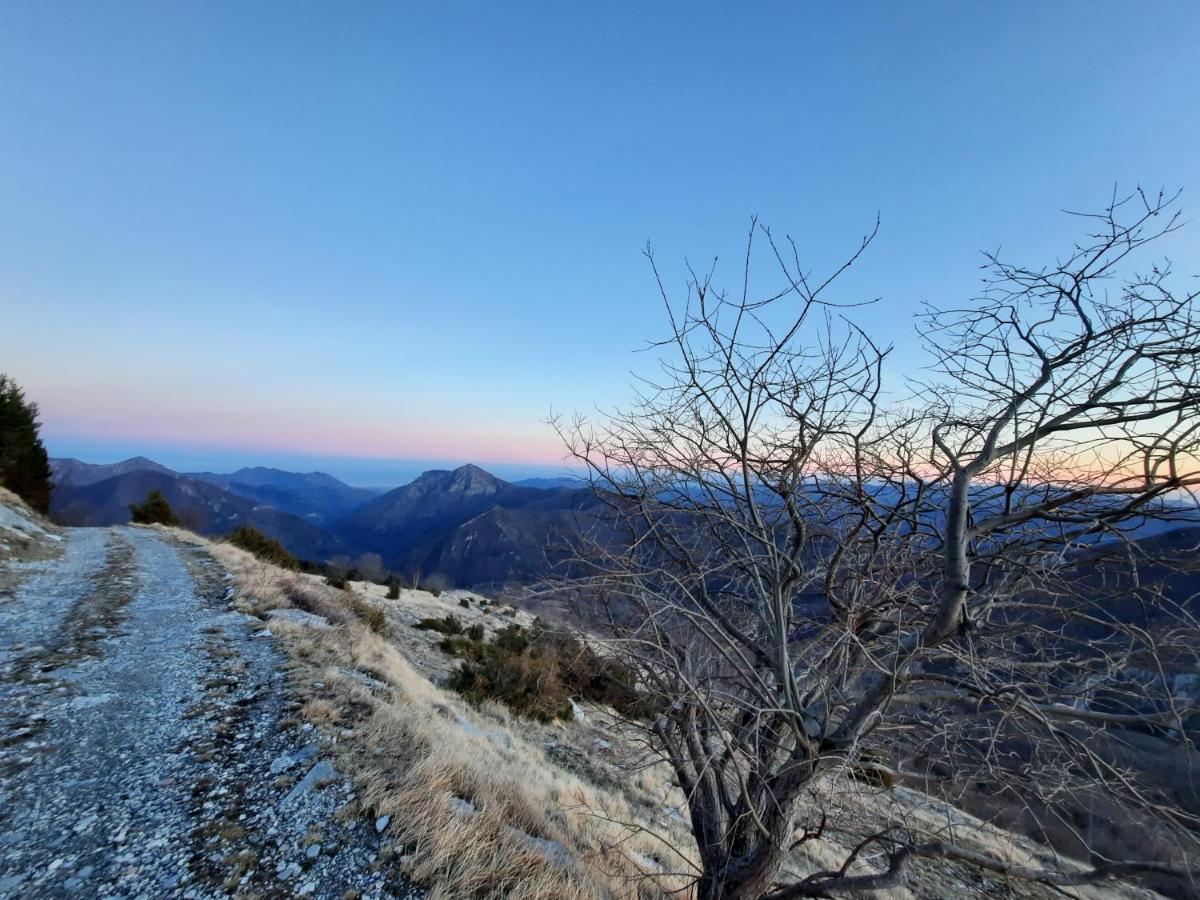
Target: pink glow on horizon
x=302 y=431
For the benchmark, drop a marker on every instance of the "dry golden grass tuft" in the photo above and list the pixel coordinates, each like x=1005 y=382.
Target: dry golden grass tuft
x=320 y=712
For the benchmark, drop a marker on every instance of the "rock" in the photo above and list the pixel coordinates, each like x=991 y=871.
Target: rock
x=500 y=738
x=321 y=772
x=290 y=871
x=313 y=851
x=463 y=806
x=364 y=679
x=577 y=711
x=93 y=700
x=299 y=617
x=552 y=851
x=288 y=760
x=648 y=863
x=382 y=823
x=602 y=746
x=84 y=823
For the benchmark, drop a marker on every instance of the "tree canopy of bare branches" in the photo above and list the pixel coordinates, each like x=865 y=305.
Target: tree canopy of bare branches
x=824 y=571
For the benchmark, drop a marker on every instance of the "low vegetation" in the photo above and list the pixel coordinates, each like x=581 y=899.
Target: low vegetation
x=477 y=808
x=450 y=624
x=265 y=548
x=536 y=671
x=485 y=803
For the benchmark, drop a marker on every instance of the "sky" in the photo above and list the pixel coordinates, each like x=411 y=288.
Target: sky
x=377 y=238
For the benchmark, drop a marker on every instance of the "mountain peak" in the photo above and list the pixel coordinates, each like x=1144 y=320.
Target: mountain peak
x=69 y=470
x=471 y=479
x=470 y=470
x=468 y=480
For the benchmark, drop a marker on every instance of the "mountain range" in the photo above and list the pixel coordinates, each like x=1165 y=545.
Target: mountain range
x=466 y=525
x=470 y=525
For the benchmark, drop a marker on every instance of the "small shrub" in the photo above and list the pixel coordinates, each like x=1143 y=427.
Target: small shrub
x=468 y=645
x=464 y=602
x=263 y=547
x=154 y=510
x=520 y=665
x=512 y=639
x=337 y=580
x=393 y=586
x=462 y=647
x=451 y=624
x=529 y=685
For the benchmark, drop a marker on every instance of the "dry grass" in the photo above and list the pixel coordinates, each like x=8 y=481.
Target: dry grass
x=320 y=712
x=484 y=804
x=477 y=809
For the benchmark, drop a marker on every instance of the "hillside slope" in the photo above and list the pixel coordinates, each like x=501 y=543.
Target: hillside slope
x=469 y=525
x=315 y=496
x=67 y=470
x=204 y=508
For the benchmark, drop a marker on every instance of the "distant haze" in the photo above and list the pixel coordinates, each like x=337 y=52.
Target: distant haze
x=357 y=471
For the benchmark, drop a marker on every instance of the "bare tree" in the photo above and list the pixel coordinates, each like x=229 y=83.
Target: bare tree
x=820 y=575
x=370 y=566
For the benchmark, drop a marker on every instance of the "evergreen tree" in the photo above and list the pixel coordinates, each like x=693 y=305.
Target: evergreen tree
x=24 y=465
x=154 y=510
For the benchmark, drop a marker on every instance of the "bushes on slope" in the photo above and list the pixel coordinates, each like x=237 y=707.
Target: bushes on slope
x=535 y=672
x=265 y=548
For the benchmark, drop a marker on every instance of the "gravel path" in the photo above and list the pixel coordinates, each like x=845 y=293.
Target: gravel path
x=143 y=744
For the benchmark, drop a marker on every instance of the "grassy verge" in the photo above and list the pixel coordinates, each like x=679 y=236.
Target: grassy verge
x=477 y=807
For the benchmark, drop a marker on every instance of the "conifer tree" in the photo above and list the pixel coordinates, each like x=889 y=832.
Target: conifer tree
x=154 y=510
x=24 y=465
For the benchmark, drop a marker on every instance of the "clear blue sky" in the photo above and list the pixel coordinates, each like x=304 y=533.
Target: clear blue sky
x=353 y=233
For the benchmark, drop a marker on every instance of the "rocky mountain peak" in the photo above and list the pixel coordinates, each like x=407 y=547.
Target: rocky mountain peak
x=471 y=479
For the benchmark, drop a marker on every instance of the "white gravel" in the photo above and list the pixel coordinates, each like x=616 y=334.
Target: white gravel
x=139 y=723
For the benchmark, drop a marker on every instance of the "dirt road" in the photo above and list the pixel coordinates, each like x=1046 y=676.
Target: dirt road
x=144 y=743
